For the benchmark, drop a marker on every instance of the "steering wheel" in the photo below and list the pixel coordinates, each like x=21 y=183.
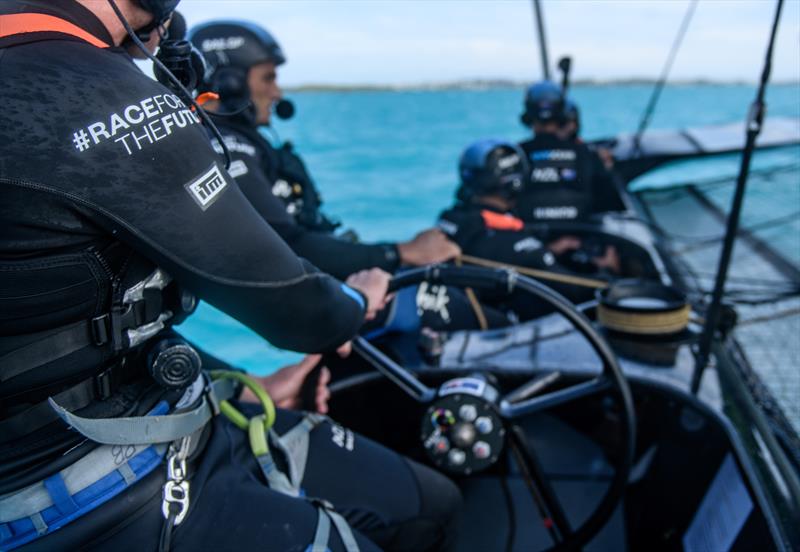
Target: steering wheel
x=468 y=423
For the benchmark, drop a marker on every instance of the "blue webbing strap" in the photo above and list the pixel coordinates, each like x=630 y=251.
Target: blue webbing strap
x=96 y=478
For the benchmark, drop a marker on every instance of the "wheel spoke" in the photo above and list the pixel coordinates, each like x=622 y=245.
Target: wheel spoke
x=399 y=375
x=549 y=400
x=550 y=510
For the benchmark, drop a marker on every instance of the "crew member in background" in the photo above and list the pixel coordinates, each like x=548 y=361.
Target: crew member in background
x=567 y=181
x=571 y=131
x=483 y=223
x=243 y=60
x=117 y=215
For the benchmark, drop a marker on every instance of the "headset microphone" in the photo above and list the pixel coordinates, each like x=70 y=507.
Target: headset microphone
x=284 y=109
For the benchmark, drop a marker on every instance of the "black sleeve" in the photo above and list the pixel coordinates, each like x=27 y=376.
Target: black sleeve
x=158 y=185
x=467 y=229
x=330 y=254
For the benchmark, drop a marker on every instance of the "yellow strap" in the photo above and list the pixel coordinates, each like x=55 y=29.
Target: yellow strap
x=540 y=274
x=473 y=301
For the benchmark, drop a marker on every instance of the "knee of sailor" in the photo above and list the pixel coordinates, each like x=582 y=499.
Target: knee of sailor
x=440 y=498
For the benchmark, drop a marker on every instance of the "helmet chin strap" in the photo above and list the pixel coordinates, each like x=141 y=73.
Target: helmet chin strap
x=174 y=80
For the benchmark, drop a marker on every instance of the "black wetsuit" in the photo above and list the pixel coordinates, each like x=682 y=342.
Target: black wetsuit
x=105 y=175
x=490 y=233
x=260 y=170
x=567 y=181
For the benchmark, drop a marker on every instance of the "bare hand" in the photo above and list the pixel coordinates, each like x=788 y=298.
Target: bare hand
x=373 y=283
x=284 y=385
x=564 y=244
x=428 y=247
x=609 y=260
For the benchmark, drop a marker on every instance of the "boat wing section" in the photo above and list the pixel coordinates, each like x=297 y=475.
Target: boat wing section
x=660 y=146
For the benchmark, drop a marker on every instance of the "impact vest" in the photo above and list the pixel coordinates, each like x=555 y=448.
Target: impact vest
x=559 y=187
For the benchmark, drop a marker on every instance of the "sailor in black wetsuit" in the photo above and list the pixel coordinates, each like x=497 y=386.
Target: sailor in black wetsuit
x=568 y=182
x=243 y=59
x=116 y=215
x=483 y=223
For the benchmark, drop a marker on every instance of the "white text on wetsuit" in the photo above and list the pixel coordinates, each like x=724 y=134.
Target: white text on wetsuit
x=138 y=125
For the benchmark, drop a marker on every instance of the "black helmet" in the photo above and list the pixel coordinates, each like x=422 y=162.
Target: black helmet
x=161 y=9
x=491 y=167
x=236 y=44
x=544 y=103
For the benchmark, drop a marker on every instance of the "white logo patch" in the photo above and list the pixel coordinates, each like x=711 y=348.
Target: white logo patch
x=448 y=227
x=342 y=437
x=207 y=188
x=281 y=188
x=528 y=244
x=238 y=168
x=565 y=212
x=434 y=299
x=138 y=125
x=216 y=44
x=546 y=174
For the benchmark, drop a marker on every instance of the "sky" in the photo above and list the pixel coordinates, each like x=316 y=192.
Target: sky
x=392 y=42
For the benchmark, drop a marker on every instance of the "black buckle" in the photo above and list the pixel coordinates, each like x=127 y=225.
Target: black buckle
x=100 y=329
x=102 y=384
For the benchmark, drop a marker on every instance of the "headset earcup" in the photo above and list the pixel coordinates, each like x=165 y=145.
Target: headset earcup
x=199 y=66
x=231 y=85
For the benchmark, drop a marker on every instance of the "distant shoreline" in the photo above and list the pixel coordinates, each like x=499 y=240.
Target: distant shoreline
x=492 y=84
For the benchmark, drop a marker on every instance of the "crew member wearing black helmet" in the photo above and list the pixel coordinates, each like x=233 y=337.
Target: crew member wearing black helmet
x=484 y=225
x=243 y=60
x=117 y=215
x=568 y=182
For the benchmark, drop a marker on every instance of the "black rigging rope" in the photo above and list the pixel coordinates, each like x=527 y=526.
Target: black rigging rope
x=755 y=120
x=656 y=94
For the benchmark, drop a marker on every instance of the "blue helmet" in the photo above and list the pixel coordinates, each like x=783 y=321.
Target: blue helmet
x=491 y=167
x=544 y=103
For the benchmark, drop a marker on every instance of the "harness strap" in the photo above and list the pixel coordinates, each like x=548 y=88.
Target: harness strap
x=294 y=444
x=99 y=476
x=322 y=534
x=325 y=515
x=33 y=355
x=150 y=429
x=83 y=393
x=25 y=23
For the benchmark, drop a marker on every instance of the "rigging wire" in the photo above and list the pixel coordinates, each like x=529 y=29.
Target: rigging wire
x=537 y=8
x=755 y=120
x=654 y=96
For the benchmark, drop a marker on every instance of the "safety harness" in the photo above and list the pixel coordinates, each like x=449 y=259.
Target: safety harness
x=133 y=447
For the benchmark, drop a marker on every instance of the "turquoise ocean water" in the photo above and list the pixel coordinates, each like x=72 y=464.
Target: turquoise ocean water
x=385 y=163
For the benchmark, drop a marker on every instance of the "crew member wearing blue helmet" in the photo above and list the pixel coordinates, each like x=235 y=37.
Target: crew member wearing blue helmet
x=243 y=59
x=567 y=181
x=117 y=215
x=483 y=221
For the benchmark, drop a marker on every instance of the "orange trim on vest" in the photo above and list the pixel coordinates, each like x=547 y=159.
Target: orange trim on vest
x=498 y=221
x=23 y=23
